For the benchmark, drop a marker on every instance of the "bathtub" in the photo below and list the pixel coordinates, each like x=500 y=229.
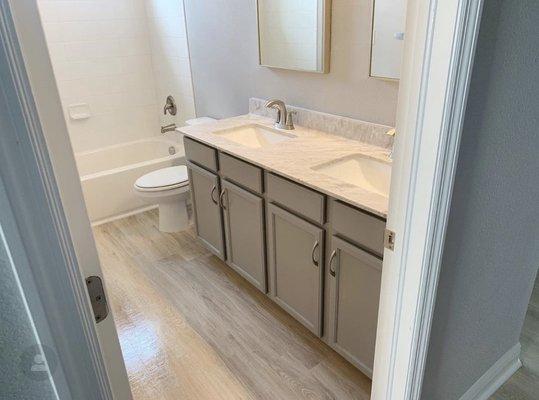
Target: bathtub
x=107 y=175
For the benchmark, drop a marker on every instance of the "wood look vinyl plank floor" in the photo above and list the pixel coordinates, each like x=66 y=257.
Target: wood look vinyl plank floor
x=524 y=384
x=191 y=328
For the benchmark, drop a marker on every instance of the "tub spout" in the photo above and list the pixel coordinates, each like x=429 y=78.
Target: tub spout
x=168 y=128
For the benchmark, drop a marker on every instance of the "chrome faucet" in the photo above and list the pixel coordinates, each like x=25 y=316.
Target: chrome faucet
x=284 y=118
x=168 y=128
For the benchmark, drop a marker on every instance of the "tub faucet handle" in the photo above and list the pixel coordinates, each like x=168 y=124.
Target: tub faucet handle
x=170 y=106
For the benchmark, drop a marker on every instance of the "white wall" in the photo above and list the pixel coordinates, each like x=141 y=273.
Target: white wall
x=121 y=57
x=224 y=56
x=101 y=56
x=170 y=57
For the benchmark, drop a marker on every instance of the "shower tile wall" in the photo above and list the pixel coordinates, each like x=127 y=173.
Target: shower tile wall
x=170 y=56
x=102 y=53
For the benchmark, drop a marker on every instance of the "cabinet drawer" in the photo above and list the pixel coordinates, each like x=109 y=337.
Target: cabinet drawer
x=304 y=201
x=200 y=154
x=358 y=226
x=242 y=173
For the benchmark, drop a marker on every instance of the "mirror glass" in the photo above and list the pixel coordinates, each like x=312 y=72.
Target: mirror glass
x=388 y=38
x=294 y=34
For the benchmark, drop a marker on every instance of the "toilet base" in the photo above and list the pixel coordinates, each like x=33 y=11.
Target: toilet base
x=173 y=215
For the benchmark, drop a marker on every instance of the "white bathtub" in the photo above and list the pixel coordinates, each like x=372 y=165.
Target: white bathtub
x=108 y=174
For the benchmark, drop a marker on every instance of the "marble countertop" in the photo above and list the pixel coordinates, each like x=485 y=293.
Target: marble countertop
x=295 y=158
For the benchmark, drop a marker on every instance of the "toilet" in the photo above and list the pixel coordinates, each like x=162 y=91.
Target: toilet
x=169 y=189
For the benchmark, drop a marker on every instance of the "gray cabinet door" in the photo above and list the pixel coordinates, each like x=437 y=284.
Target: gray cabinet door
x=244 y=230
x=354 y=296
x=207 y=212
x=295 y=248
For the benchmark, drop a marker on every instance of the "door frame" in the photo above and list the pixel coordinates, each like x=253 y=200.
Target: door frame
x=45 y=198
x=438 y=57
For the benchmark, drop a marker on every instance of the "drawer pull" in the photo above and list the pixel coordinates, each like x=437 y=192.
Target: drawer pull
x=331 y=258
x=213 y=189
x=221 y=199
x=315 y=261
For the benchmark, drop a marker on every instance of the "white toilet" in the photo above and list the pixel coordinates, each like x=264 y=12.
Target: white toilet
x=169 y=188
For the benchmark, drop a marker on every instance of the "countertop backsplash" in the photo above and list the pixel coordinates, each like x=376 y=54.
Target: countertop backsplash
x=349 y=128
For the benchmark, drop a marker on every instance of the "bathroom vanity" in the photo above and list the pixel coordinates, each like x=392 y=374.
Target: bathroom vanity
x=301 y=215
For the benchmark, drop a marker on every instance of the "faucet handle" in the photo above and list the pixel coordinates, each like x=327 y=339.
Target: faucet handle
x=290 y=120
x=170 y=106
x=392 y=132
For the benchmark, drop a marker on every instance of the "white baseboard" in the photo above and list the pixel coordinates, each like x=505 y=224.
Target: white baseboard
x=124 y=215
x=495 y=376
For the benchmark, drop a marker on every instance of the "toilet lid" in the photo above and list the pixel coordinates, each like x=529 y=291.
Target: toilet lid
x=162 y=178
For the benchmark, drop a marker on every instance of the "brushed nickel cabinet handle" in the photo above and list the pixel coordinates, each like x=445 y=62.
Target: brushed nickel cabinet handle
x=213 y=189
x=331 y=258
x=221 y=199
x=315 y=261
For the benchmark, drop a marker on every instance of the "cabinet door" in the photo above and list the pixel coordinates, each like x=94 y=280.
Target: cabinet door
x=244 y=229
x=355 y=292
x=207 y=212
x=295 y=250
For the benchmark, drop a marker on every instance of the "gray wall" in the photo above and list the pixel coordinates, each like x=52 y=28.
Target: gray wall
x=16 y=339
x=223 y=45
x=491 y=252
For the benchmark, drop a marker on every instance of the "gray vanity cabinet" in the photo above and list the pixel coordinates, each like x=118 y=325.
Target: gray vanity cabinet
x=295 y=248
x=244 y=215
x=244 y=231
x=354 y=295
x=208 y=220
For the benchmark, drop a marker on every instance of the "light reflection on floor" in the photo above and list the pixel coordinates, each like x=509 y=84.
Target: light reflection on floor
x=140 y=344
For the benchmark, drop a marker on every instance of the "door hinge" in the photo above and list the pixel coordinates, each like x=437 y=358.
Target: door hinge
x=97 y=298
x=389 y=239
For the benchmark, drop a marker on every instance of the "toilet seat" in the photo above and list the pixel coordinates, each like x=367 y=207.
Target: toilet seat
x=163 y=179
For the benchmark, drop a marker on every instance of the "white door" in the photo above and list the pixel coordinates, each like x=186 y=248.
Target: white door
x=35 y=143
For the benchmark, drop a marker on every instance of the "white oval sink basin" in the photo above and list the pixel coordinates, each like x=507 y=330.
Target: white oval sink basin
x=358 y=170
x=255 y=136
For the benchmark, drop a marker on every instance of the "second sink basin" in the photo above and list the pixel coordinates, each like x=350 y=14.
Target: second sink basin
x=358 y=170
x=254 y=136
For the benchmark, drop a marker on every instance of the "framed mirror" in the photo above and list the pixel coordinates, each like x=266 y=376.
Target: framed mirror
x=294 y=34
x=389 y=19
